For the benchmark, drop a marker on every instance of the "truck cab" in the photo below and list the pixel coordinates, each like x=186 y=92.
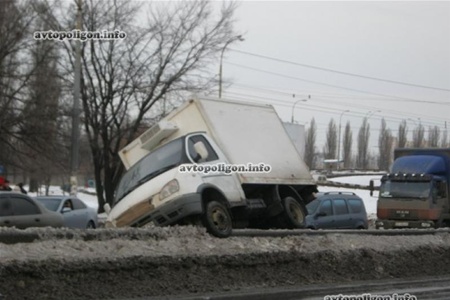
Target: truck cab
x=415 y=194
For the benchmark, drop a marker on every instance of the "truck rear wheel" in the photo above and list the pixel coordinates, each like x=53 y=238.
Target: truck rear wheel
x=294 y=213
x=217 y=219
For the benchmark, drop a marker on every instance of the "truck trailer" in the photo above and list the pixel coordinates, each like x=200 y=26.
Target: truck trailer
x=415 y=194
x=219 y=163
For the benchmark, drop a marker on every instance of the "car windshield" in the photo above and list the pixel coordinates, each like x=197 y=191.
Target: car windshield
x=312 y=206
x=405 y=189
x=160 y=160
x=50 y=203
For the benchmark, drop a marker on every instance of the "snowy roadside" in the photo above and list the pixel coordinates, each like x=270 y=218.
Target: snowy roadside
x=188 y=241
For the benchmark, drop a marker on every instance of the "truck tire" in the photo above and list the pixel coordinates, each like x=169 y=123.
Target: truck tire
x=217 y=219
x=294 y=213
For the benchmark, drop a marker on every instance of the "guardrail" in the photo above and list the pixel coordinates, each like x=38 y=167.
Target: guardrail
x=346 y=185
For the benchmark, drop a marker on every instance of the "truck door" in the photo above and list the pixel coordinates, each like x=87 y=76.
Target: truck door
x=226 y=182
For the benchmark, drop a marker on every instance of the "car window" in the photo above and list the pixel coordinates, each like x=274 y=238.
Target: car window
x=340 y=207
x=355 y=205
x=78 y=204
x=50 y=203
x=326 y=207
x=5 y=207
x=68 y=203
x=199 y=138
x=22 y=206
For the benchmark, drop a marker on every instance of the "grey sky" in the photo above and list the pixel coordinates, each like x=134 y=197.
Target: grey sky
x=398 y=41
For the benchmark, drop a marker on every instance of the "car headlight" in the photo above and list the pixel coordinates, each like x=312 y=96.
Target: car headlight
x=170 y=188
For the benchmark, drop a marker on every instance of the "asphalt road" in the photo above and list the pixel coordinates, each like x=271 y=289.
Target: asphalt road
x=435 y=288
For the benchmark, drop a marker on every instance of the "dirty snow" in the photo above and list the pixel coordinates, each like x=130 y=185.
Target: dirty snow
x=155 y=261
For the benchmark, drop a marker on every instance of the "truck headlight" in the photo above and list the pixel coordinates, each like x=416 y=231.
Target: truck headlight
x=170 y=188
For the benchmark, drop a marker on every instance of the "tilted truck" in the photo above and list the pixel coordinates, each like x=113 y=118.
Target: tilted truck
x=416 y=192
x=183 y=171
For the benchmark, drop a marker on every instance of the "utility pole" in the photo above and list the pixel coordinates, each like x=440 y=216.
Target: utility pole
x=339 y=139
x=75 y=149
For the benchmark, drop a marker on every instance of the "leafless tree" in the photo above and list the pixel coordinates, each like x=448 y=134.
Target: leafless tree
x=385 y=144
x=331 y=141
x=310 y=147
x=402 y=134
x=362 y=157
x=419 y=136
x=15 y=21
x=43 y=151
x=347 y=146
x=434 y=135
x=444 y=139
x=124 y=80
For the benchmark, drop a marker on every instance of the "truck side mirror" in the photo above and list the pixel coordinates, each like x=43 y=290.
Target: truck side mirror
x=371 y=187
x=201 y=150
x=442 y=189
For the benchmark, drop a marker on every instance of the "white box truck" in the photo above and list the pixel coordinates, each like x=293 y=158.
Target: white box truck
x=220 y=163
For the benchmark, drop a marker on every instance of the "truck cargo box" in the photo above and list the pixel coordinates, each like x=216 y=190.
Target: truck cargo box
x=245 y=132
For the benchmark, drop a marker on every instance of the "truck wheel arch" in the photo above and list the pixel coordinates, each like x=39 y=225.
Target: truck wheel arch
x=216 y=216
x=209 y=193
x=284 y=191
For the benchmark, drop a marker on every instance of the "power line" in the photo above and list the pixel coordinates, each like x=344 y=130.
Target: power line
x=318 y=96
x=336 y=86
x=324 y=109
x=341 y=72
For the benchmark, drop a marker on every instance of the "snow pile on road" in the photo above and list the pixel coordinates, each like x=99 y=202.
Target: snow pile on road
x=69 y=244
x=143 y=262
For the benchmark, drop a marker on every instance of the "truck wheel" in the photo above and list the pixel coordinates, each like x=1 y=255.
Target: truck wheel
x=294 y=213
x=217 y=219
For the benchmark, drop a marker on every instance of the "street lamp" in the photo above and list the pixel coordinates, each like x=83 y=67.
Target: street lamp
x=293 y=106
x=233 y=39
x=339 y=137
x=370 y=113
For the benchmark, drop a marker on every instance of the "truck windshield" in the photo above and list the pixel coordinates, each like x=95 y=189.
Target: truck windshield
x=160 y=160
x=405 y=189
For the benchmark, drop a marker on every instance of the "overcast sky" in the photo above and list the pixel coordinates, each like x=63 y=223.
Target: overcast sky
x=293 y=49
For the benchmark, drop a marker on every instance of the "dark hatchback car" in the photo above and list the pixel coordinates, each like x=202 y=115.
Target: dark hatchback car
x=336 y=210
x=21 y=211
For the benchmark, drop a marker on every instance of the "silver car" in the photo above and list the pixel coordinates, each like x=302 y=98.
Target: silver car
x=21 y=211
x=74 y=211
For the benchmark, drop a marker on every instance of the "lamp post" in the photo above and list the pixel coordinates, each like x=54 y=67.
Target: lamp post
x=295 y=103
x=370 y=113
x=235 y=38
x=339 y=137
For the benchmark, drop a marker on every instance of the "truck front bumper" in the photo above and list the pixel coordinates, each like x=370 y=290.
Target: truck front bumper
x=397 y=224
x=174 y=210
